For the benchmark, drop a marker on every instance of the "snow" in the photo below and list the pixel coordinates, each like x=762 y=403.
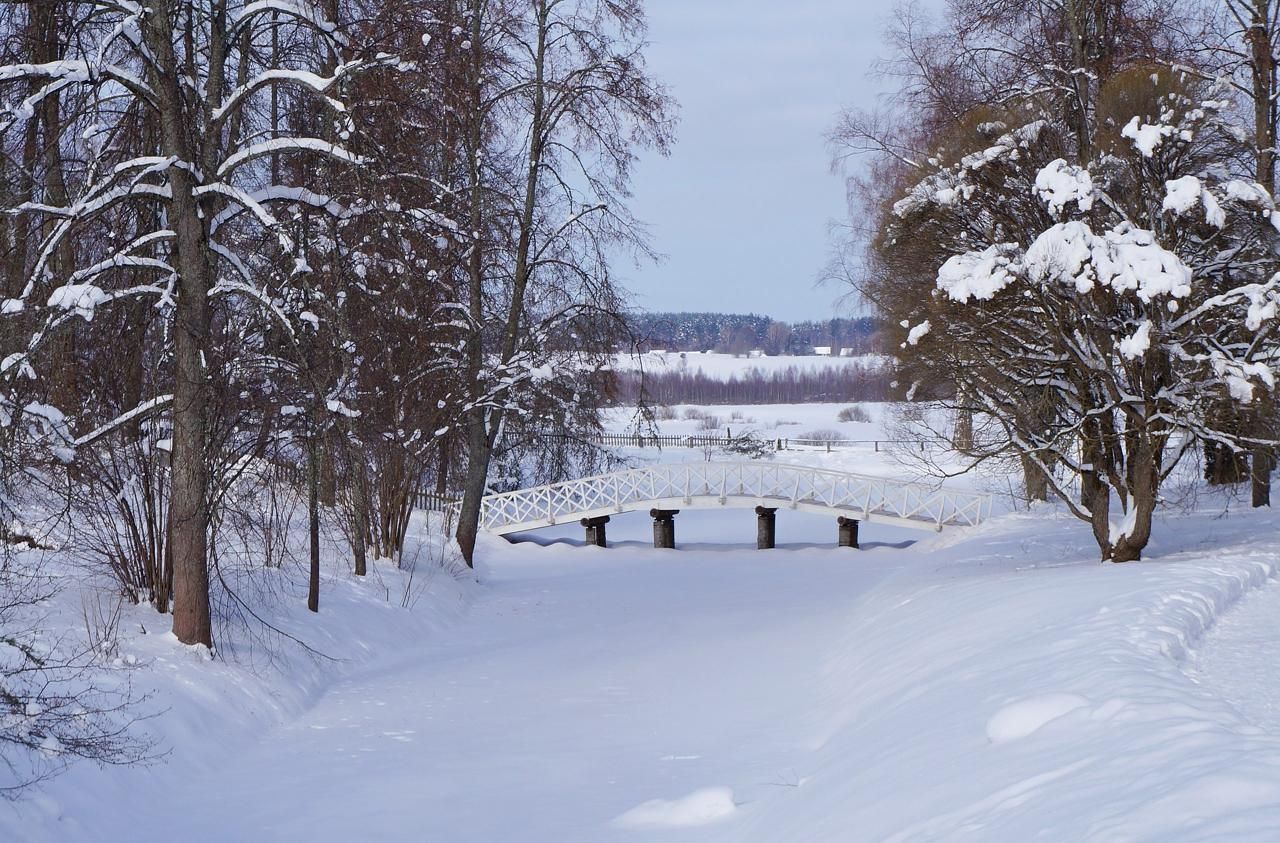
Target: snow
x=1145 y=136
x=1183 y=194
x=1026 y=717
x=979 y=275
x=1227 y=660
x=335 y=406
x=82 y=298
x=918 y=332
x=989 y=684
x=1249 y=193
x=701 y=807
x=1136 y=344
x=1125 y=258
x=1060 y=184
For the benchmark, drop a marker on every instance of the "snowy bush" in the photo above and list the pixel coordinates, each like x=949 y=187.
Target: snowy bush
x=853 y=414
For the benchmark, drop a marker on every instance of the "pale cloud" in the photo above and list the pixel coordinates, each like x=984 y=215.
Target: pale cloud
x=743 y=206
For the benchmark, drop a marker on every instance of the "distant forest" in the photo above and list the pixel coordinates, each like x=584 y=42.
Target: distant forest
x=733 y=333
x=792 y=385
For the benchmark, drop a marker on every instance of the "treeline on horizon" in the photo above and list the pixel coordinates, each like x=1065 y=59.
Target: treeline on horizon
x=792 y=385
x=734 y=333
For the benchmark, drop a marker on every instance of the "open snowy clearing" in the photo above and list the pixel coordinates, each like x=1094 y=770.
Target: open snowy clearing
x=995 y=684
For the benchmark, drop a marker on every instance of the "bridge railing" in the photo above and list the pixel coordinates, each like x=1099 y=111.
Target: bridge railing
x=719 y=481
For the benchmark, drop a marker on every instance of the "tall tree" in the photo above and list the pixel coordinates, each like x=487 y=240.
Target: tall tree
x=204 y=70
x=559 y=101
x=1046 y=195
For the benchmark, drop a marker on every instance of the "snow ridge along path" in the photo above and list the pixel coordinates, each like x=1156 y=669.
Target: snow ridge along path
x=991 y=685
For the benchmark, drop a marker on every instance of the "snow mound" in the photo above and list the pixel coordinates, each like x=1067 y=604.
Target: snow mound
x=1025 y=717
x=702 y=807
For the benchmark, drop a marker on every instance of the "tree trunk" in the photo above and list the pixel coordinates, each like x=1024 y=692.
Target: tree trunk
x=1264 y=463
x=1224 y=466
x=1034 y=480
x=313 y=523
x=1095 y=493
x=962 y=438
x=360 y=508
x=64 y=390
x=1142 y=503
x=1262 y=66
x=442 y=467
x=189 y=504
x=479 y=454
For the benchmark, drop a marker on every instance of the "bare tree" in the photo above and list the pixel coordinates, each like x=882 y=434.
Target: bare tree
x=559 y=101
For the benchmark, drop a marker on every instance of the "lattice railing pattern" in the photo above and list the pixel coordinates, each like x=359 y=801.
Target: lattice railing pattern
x=709 y=483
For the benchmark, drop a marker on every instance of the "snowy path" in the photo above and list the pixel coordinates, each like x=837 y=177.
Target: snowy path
x=577 y=689
x=987 y=686
x=1240 y=658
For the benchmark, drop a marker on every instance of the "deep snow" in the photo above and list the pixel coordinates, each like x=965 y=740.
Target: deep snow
x=994 y=684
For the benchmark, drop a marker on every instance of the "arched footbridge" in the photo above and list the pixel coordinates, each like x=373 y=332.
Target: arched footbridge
x=665 y=489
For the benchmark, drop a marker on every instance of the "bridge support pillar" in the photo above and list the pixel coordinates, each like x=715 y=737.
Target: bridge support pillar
x=848 y=531
x=595 y=530
x=766 y=527
x=664 y=527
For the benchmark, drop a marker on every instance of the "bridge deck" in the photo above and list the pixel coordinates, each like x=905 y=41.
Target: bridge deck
x=735 y=484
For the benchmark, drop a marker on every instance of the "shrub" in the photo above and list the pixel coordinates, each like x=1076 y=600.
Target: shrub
x=853 y=414
x=822 y=436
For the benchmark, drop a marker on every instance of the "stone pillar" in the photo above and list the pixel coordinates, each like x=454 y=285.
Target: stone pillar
x=664 y=527
x=766 y=527
x=848 y=531
x=595 y=530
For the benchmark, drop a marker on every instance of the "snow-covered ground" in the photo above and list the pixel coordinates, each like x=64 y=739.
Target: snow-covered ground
x=991 y=684
x=770 y=421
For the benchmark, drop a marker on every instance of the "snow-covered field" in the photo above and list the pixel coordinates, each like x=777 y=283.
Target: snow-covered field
x=990 y=684
x=770 y=421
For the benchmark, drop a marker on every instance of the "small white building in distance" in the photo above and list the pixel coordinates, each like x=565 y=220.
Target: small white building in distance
x=822 y=350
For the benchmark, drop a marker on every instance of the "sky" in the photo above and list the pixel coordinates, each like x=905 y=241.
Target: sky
x=742 y=208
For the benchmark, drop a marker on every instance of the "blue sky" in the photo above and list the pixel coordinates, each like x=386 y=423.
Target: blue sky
x=742 y=207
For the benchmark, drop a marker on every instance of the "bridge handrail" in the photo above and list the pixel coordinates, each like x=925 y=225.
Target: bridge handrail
x=782 y=482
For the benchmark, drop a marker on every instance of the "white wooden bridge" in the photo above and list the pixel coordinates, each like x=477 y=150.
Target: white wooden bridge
x=708 y=485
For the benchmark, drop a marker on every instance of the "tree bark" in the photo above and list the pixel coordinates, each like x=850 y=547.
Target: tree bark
x=313 y=523
x=189 y=504
x=1264 y=463
x=1142 y=502
x=1262 y=68
x=1034 y=480
x=479 y=454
